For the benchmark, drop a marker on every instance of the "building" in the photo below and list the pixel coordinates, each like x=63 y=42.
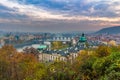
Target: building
x=82 y=39
x=43 y=57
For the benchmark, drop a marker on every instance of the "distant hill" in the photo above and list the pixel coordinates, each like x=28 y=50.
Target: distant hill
x=110 y=30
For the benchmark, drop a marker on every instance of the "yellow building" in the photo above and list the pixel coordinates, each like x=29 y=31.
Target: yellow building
x=112 y=43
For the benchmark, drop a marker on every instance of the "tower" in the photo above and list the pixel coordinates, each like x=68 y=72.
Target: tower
x=82 y=38
x=82 y=41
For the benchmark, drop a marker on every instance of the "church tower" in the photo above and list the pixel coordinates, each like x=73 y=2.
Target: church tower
x=82 y=41
x=82 y=38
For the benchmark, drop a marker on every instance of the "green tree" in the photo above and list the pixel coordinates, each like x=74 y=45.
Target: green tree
x=103 y=51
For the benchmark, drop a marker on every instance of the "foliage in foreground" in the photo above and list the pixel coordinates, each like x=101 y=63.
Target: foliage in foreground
x=100 y=64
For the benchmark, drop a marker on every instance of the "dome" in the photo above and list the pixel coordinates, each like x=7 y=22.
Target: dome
x=42 y=47
x=82 y=38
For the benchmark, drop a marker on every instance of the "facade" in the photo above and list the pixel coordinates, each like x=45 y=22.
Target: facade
x=43 y=57
x=51 y=57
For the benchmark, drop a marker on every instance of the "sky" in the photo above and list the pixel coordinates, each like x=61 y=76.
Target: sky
x=58 y=15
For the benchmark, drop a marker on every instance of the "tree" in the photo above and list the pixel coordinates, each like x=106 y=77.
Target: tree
x=19 y=66
x=31 y=51
x=58 y=45
x=103 y=51
x=5 y=64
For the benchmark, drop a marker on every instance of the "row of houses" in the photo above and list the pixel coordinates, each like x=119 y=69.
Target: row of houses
x=56 y=57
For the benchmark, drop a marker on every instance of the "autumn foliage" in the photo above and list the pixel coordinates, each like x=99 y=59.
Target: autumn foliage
x=102 y=63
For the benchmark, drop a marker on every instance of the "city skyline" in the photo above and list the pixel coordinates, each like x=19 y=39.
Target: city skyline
x=58 y=15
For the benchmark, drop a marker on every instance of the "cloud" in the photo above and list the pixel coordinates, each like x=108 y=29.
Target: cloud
x=39 y=13
x=56 y=12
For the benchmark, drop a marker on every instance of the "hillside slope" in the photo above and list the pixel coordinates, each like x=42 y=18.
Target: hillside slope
x=110 y=30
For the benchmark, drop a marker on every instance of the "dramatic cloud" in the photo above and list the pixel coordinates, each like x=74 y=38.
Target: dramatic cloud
x=27 y=12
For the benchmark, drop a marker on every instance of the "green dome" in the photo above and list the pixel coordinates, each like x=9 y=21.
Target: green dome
x=42 y=47
x=82 y=38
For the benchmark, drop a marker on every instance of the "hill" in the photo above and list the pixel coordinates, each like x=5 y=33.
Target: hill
x=110 y=30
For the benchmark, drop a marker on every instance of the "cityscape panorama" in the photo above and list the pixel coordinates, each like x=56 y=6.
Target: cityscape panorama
x=59 y=40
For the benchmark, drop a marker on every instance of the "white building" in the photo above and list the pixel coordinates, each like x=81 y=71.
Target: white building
x=54 y=57
x=51 y=57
